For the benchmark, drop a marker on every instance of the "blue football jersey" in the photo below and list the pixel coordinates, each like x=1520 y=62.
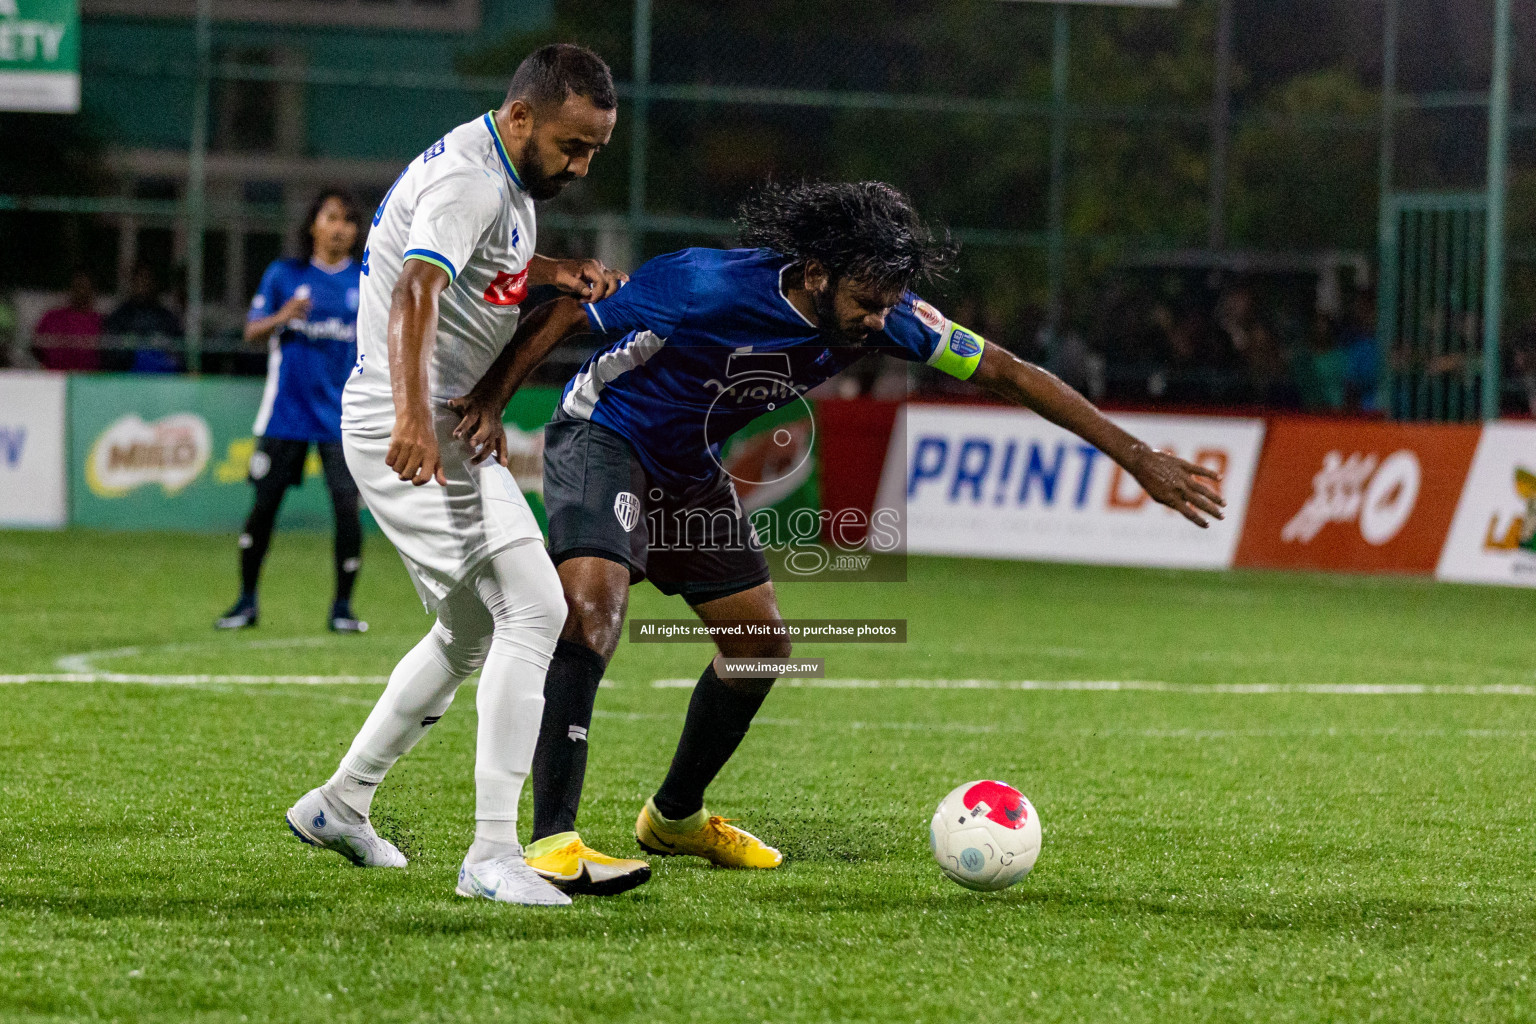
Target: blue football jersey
x=705 y=341
x=308 y=360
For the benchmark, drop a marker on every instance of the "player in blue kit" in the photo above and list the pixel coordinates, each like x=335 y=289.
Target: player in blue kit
x=307 y=311
x=704 y=341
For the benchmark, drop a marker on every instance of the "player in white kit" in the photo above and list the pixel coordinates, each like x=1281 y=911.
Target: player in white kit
x=449 y=259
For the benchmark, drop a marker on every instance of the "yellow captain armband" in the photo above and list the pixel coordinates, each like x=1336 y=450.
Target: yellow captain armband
x=959 y=351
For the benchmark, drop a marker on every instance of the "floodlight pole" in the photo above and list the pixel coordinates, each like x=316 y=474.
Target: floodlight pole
x=639 y=113
x=197 y=185
x=1498 y=184
x=1056 y=229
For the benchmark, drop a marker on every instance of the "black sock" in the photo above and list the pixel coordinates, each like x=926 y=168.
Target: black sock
x=560 y=759
x=348 y=550
x=257 y=535
x=718 y=718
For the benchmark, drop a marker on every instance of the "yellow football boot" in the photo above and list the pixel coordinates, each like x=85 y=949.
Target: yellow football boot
x=703 y=835
x=572 y=866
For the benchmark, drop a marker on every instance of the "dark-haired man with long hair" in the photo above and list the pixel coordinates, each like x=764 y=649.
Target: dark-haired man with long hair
x=821 y=282
x=449 y=260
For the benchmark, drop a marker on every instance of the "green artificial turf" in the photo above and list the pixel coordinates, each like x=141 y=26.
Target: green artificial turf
x=1281 y=856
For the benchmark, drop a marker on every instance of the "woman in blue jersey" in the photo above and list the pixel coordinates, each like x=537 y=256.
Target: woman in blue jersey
x=307 y=311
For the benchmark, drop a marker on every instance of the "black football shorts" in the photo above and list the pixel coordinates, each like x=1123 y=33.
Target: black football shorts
x=601 y=502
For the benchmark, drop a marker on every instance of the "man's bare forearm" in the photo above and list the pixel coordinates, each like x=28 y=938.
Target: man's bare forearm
x=540 y=333
x=541 y=270
x=412 y=334
x=1021 y=383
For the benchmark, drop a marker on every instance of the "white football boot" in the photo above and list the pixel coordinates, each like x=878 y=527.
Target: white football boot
x=509 y=879
x=321 y=822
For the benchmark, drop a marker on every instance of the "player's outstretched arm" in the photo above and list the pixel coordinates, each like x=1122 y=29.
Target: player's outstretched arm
x=539 y=334
x=1180 y=485
x=412 y=332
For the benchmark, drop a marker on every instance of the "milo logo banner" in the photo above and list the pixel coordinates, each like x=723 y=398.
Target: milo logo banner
x=172 y=453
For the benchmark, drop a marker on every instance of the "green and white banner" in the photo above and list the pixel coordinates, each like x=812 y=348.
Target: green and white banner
x=150 y=452
x=40 y=56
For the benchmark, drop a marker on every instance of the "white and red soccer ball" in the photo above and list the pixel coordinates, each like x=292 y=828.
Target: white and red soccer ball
x=985 y=835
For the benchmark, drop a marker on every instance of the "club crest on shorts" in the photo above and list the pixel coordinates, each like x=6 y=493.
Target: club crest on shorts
x=626 y=509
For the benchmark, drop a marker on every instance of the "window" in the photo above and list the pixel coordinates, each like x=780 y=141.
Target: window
x=428 y=15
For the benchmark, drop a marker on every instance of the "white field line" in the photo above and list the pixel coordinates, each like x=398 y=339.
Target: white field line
x=1145 y=686
x=85 y=662
x=151 y=679
x=1089 y=733
x=1044 y=685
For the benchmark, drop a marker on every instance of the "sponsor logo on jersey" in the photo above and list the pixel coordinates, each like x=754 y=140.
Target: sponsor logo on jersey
x=928 y=315
x=131 y=453
x=333 y=329
x=626 y=509
x=436 y=149
x=963 y=343
x=508 y=289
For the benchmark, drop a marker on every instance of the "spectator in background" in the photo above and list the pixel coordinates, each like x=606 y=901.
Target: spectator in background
x=1320 y=369
x=1522 y=364
x=143 y=327
x=1265 y=377
x=1362 y=355
x=67 y=337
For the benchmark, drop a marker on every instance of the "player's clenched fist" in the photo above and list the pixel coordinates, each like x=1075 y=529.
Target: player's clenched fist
x=1180 y=485
x=413 y=452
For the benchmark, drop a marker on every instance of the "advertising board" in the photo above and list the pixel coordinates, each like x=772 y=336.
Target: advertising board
x=32 y=477
x=1005 y=483
x=1355 y=496
x=1493 y=535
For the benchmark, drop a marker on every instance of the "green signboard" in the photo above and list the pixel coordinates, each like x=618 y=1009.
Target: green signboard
x=40 y=55
x=171 y=453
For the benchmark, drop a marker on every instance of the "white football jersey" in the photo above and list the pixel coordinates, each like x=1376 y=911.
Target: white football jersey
x=460 y=206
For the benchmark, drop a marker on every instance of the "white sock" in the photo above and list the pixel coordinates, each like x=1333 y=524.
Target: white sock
x=420 y=689
x=521 y=590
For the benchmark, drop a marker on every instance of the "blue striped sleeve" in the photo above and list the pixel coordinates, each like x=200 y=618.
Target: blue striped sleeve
x=437 y=259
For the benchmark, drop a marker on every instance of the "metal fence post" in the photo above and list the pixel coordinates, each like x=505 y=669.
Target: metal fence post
x=1221 y=116
x=197 y=185
x=1387 y=215
x=1056 y=230
x=639 y=133
x=1498 y=183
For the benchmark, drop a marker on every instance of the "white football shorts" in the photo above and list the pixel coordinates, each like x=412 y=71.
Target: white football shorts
x=442 y=532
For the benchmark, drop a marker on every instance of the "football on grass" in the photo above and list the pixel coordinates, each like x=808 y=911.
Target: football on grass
x=985 y=835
